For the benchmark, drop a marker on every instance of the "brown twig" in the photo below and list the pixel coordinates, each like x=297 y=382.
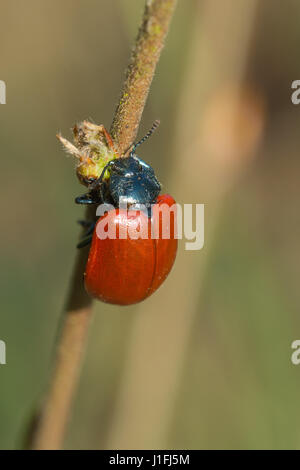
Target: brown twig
x=49 y=428
x=140 y=72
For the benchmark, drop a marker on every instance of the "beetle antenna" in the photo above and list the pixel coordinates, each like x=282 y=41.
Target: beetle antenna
x=153 y=128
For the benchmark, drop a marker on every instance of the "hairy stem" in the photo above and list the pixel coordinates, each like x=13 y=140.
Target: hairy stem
x=49 y=426
x=140 y=71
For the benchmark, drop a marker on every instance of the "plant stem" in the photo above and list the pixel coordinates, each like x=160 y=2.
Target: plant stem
x=140 y=71
x=49 y=428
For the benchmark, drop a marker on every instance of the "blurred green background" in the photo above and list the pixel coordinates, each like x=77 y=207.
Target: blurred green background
x=214 y=343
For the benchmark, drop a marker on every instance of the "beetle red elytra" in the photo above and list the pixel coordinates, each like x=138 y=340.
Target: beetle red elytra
x=126 y=271
x=123 y=271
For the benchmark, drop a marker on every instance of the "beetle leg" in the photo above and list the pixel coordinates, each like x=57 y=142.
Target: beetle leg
x=86 y=241
x=87 y=198
x=90 y=229
x=87 y=238
x=84 y=223
x=89 y=225
x=97 y=185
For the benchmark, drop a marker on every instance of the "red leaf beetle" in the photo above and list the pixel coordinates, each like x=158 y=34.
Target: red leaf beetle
x=127 y=270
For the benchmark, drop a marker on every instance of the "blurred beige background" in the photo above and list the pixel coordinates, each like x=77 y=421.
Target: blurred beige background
x=205 y=362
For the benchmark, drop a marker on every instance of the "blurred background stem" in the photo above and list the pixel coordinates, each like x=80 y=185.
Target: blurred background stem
x=50 y=425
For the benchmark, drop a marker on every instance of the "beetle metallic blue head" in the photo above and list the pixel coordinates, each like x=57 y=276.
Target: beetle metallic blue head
x=131 y=181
